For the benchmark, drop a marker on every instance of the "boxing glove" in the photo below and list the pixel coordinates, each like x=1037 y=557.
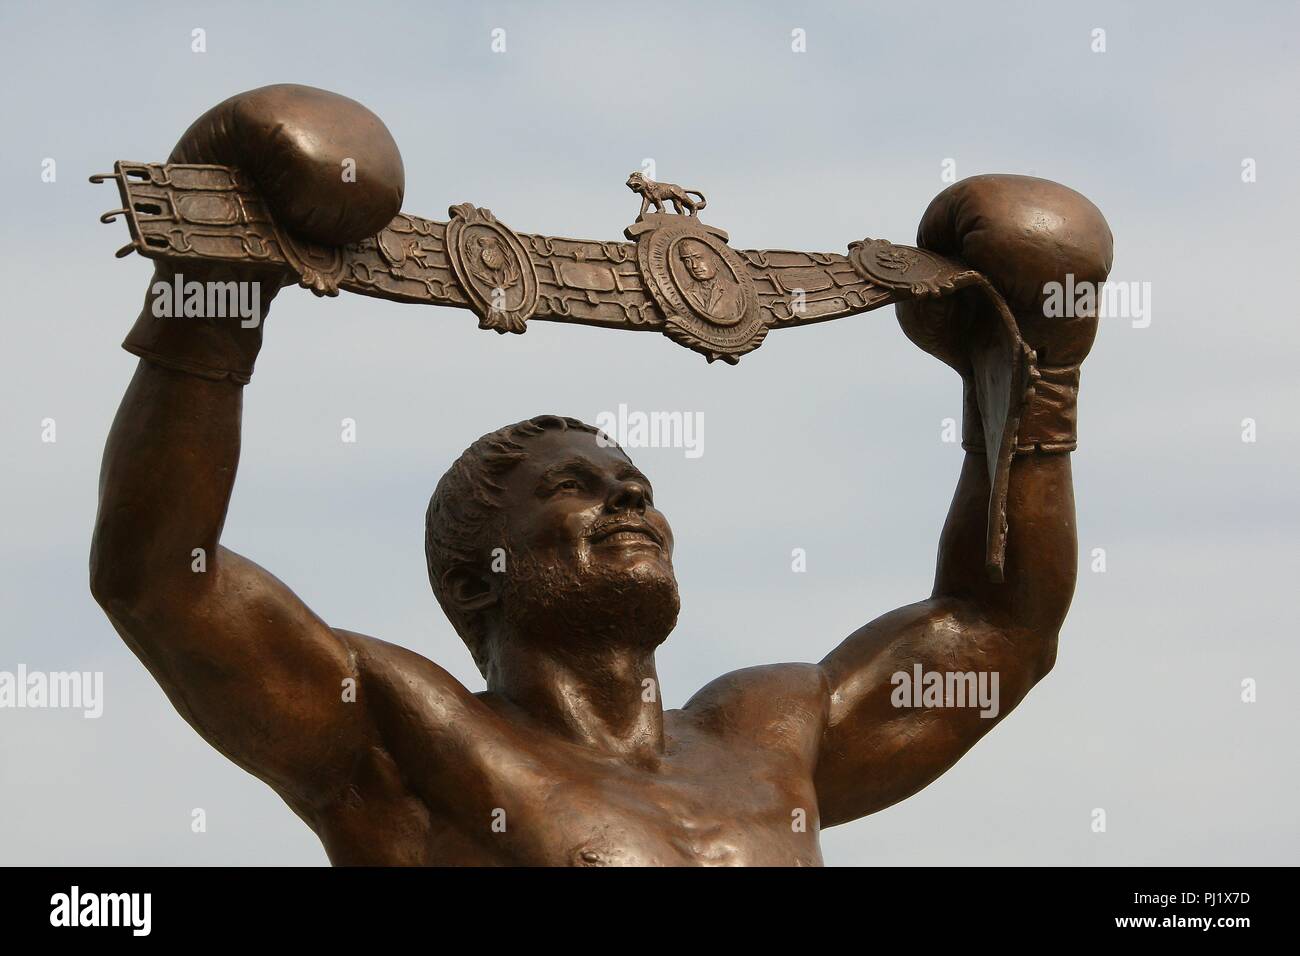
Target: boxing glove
x=1025 y=235
x=293 y=143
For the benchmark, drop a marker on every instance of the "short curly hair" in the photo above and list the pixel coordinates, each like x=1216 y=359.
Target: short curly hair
x=465 y=507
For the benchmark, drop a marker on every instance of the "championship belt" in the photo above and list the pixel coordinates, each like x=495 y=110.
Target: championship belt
x=676 y=275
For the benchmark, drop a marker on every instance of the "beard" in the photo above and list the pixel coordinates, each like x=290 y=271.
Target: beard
x=590 y=606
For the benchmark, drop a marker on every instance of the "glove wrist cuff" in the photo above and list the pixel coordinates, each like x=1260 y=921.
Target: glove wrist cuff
x=220 y=349
x=1048 y=421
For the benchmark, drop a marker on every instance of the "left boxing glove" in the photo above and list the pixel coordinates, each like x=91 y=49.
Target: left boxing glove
x=1023 y=234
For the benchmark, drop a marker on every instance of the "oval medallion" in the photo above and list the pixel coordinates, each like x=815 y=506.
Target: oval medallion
x=492 y=267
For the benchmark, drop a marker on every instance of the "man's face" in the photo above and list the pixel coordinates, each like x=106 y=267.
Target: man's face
x=696 y=262
x=587 y=552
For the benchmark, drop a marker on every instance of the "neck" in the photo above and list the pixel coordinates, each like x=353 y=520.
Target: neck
x=599 y=698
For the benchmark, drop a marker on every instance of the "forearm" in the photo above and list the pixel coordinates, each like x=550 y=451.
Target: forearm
x=1041 y=557
x=168 y=469
x=170 y=459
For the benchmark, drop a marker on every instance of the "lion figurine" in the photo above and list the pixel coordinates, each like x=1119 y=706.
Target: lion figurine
x=656 y=194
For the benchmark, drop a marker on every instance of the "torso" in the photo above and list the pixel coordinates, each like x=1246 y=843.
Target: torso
x=463 y=781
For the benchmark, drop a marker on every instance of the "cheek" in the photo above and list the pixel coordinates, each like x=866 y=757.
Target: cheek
x=660 y=523
x=555 y=527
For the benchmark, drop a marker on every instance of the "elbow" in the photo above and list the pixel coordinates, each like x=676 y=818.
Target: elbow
x=1036 y=620
x=131 y=584
x=1043 y=655
x=108 y=586
x=117 y=583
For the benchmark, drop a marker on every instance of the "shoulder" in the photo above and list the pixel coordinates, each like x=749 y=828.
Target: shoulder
x=774 y=704
x=395 y=680
x=411 y=706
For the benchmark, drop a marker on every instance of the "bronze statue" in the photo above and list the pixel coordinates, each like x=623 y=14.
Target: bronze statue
x=545 y=547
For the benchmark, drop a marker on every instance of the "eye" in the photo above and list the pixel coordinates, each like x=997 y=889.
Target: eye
x=568 y=484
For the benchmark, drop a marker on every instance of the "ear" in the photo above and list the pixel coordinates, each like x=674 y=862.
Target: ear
x=469 y=588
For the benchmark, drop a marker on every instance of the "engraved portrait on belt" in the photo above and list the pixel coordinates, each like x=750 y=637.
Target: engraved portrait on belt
x=700 y=285
x=706 y=281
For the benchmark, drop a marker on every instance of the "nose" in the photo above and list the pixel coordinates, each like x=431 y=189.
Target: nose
x=628 y=495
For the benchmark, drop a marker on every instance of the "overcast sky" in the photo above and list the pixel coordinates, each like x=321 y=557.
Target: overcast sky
x=827 y=439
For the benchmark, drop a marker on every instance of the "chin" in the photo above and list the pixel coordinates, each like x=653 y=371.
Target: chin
x=649 y=595
x=629 y=598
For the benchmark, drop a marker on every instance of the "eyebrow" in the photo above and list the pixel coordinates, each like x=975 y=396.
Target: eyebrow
x=581 y=465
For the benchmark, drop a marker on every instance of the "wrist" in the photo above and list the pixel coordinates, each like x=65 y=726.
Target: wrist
x=1048 y=420
x=203 y=324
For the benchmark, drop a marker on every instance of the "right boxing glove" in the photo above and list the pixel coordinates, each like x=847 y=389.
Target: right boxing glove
x=295 y=143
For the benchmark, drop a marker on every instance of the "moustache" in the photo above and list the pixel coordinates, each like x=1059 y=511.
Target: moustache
x=609 y=526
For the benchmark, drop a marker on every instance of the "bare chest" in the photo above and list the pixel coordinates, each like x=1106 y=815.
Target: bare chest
x=719 y=815
x=701 y=804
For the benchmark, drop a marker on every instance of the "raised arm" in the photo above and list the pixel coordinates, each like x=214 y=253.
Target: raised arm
x=913 y=690
x=240 y=656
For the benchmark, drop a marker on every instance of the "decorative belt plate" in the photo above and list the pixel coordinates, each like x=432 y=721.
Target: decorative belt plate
x=677 y=276
x=680 y=277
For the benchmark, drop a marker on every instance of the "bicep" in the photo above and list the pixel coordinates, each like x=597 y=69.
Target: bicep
x=910 y=693
x=257 y=674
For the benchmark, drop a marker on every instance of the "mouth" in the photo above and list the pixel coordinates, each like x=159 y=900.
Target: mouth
x=627 y=532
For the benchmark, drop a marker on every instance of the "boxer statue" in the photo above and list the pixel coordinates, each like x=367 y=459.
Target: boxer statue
x=550 y=557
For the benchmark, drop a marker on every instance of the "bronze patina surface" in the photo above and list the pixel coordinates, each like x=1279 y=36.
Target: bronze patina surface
x=544 y=545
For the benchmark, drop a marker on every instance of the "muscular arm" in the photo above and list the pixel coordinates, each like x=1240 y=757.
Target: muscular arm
x=239 y=655
x=874 y=753
x=879 y=747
